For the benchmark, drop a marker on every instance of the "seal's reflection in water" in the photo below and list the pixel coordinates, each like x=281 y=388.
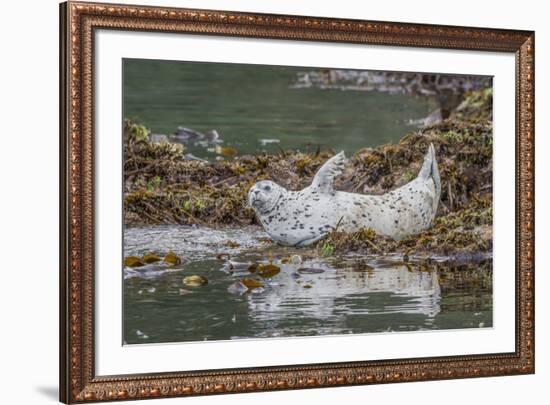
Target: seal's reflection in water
x=320 y=296
x=339 y=295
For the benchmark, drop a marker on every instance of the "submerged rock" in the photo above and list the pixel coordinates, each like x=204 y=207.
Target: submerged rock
x=195 y=281
x=188 y=135
x=237 y=288
x=310 y=270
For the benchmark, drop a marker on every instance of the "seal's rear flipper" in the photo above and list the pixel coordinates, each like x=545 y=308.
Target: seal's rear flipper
x=322 y=182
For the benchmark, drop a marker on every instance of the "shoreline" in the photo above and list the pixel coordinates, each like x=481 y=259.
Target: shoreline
x=163 y=188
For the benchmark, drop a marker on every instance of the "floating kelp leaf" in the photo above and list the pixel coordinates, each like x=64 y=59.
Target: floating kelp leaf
x=268 y=270
x=195 y=281
x=232 y=244
x=310 y=270
x=226 y=151
x=237 y=288
x=151 y=258
x=133 y=261
x=253 y=267
x=307 y=286
x=251 y=283
x=172 y=258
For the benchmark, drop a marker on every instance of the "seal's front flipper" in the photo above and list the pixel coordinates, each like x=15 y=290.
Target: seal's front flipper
x=322 y=182
x=430 y=171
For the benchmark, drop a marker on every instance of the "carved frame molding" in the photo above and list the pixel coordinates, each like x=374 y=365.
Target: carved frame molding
x=78 y=381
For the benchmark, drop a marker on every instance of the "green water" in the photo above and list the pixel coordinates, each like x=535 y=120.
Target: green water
x=248 y=103
x=341 y=295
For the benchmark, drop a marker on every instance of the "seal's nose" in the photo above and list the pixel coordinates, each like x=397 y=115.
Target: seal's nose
x=256 y=191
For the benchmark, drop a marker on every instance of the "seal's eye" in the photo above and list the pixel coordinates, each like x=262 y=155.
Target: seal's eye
x=267 y=188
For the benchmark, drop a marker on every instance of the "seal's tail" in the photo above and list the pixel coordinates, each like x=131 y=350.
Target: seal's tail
x=430 y=170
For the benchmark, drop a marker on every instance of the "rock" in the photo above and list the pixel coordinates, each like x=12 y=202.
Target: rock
x=213 y=136
x=237 y=288
x=185 y=135
x=133 y=261
x=172 y=258
x=195 y=281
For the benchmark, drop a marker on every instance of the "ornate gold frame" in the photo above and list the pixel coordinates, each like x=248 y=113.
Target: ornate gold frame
x=78 y=381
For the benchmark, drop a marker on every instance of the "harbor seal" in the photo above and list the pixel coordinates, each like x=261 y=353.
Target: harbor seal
x=300 y=218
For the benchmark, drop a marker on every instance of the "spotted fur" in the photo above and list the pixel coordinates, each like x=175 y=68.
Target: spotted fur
x=300 y=218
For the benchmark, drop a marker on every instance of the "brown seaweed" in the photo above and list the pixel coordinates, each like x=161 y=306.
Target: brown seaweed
x=161 y=187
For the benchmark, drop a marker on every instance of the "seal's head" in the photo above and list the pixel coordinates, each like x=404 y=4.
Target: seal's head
x=263 y=196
